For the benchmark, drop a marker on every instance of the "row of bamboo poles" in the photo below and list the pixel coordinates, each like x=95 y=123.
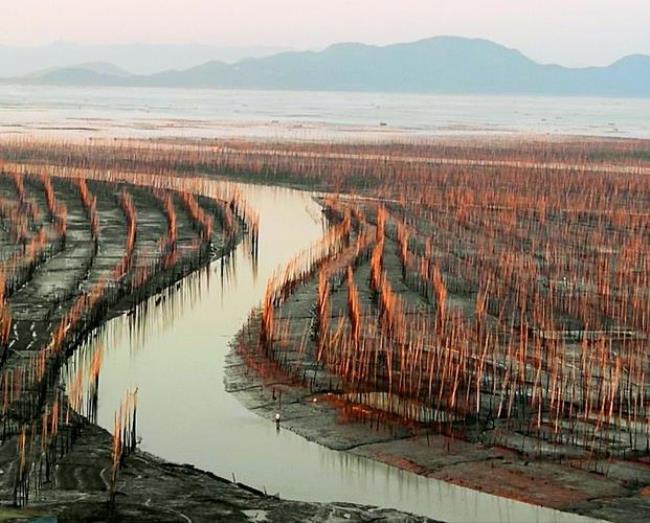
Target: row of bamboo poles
x=331 y=162
x=29 y=407
x=556 y=347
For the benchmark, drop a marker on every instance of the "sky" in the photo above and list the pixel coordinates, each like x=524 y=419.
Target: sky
x=568 y=32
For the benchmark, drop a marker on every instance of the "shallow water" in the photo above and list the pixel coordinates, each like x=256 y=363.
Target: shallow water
x=147 y=112
x=176 y=359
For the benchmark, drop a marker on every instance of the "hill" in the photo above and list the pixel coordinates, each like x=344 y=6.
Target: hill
x=435 y=65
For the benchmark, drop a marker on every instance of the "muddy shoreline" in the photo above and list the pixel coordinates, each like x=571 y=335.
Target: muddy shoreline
x=151 y=489
x=612 y=490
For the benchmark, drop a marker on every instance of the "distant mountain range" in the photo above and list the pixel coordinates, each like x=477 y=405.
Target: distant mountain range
x=136 y=58
x=435 y=65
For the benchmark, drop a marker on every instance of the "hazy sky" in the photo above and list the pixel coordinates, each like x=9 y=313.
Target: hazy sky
x=570 y=32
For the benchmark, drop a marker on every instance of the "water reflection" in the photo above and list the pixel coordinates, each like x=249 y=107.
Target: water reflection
x=173 y=350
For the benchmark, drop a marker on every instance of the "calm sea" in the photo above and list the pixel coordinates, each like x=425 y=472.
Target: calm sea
x=116 y=111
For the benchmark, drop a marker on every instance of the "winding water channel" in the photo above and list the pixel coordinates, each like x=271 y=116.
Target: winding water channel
x=176 y=359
